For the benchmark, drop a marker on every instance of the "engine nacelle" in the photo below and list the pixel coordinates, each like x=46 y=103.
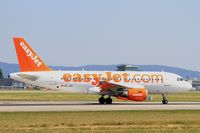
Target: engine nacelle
x=134 y=94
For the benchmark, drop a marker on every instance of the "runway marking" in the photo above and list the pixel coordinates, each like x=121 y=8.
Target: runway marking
x=18 y=106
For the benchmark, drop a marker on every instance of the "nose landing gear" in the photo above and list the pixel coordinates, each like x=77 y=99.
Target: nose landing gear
x=102 y=100
x=164 y=97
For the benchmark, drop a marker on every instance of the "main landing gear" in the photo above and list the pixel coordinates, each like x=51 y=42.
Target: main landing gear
x=102 y=100
x=164 y=97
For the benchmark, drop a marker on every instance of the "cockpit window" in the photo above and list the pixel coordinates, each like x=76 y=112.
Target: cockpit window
x=180 y=79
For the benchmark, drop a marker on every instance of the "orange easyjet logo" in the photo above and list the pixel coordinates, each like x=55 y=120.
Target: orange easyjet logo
x=30 y=54
x=94 y=79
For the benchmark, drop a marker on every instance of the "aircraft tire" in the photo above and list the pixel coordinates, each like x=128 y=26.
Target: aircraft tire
x=165 y=102
x=102 y=100
x=108 y=100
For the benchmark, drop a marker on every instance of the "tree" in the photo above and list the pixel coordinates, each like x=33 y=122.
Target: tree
x=1 y=74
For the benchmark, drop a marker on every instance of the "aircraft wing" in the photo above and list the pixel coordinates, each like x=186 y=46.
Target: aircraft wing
x=106 y=86
x=131 y=92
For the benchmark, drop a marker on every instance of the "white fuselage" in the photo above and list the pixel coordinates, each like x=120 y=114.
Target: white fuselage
x=87 y=81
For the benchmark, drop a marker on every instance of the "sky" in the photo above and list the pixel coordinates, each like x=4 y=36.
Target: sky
x=103 y=32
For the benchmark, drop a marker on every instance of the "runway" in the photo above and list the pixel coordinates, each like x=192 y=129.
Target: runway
x=35 y=106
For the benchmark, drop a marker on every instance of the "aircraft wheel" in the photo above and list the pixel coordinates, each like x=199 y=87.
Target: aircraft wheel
x=165 y=102
x=108 y=100
x=164 y=97
x=102 y=100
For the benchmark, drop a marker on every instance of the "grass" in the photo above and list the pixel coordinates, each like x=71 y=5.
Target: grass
x=192 y=96
x=100 y=122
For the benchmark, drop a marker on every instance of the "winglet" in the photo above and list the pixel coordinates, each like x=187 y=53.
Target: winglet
x=27 y=57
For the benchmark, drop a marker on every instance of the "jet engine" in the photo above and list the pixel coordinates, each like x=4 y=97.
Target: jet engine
x=134 y=94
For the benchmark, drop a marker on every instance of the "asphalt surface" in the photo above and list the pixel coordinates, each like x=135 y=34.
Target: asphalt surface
x=18 y=106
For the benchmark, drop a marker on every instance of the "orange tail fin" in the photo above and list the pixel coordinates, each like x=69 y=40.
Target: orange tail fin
x=27 y=58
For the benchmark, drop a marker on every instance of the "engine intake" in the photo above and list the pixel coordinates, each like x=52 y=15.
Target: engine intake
x=134 y=94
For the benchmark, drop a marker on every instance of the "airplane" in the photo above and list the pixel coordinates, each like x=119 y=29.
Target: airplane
x=124 y=85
